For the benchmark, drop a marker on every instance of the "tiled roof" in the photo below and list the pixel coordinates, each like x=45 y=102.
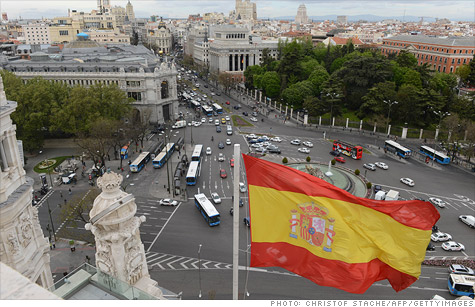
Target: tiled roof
x=448 y=41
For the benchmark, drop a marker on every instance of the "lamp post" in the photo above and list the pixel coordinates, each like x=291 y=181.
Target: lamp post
x=199 y=268
x=168 y=172
x=389 y=103
x=47 y=201
x=441 y=115
x=332 y=96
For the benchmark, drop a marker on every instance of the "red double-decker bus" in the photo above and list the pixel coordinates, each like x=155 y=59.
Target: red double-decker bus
x=354 y=151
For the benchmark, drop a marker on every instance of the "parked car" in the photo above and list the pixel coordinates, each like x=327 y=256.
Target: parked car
x=460 y=269
x=335 y=153
x=276 y=139
x=340 y=159
x=453 y=246
x=231 y=162
x=407 y=181
x=220 y=145
x=168 y=202
x=369 y=166
x=251 y=136
x=222 y=174
x=437 y=202
x=304 y=150
x=381 y=165
x=242 y=187
x=307 y=144
x=273 y=149
x=468 y=219
x=440 y=237
x=295 y=142
x=208 y=151
x=220 y=157
x=215 y=197
x=255 y=145
x=260 y=149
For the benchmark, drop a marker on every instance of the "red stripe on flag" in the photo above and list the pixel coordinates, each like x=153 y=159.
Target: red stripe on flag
x=350 y=277
x=412 y=213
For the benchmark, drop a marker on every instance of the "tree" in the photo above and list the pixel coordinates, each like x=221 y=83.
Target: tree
x=270 y=82
x=134 y=40
x=296 y=93
x=227 y=81
x=308 y=67
x=315 y=106
x=289 y=64
x=406 y=59
x=267 y=59
x=318 y=77
x=373 y=102
x=249 y=74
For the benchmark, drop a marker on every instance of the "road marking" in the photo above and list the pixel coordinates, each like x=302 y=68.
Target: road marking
x=163 y=228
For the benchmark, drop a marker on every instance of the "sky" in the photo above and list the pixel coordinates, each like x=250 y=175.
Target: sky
x=451 y=9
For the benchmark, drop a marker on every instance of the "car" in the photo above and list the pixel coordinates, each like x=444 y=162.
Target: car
x=218 y=129
x=407 y=181
x=430 y=247
x=216 y=122
x=266 y=144
x=221 y=145
x=220 y=157
x=304 y=150
x=219 y=94
x=253 y=141
x=215 y=197
x=231 y=162
x=208 y=151
x=228 y=142
x=203 y=120
x=307 y=144
x=340 y=159
x=197 y=124
x=468 y=219
x=223 y=120
x=228 y=118
x=198 y=99
x=263 y=138
x=260 y=149
x=252 y=136
x=235 y=107
x=437 y=202
x=222 y=173
x=168 y=202
x=460 y=269
x=245 y=113
x=453 y=246
x=247 y=221
x=335 y=153
x=381 y=165
x=253 y=119
x=210 y=120
x=440 y=236
x=369 y=166
x=206 y=85
x=242 y=187
x=204 y=96
x=273 y=149
x=295 y=142
x=276 y=139
x=255 y=145
x=241 y=202
x=228 y=103
x=254 y=114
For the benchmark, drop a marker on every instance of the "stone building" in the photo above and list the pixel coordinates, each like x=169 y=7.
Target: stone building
x=301 y=17
x=245 y=10
x=134 y=69
x=23 y=246
x=161 y=37
x=36 y=33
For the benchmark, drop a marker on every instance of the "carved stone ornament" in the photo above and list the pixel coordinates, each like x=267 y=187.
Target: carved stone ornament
x=109 y=182
x=13 y=243
x=26 y=229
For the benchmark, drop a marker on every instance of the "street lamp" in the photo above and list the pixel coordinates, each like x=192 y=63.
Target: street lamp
x=390 y=103
x=332 y=96
x=441 y=115
x=199 y=268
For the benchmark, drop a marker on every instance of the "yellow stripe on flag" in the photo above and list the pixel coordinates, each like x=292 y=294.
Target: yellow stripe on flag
x=360 y=233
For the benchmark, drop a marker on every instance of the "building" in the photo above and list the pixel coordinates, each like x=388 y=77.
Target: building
x=161 y=37
x=339 y=41
x=108 y=36
x=36 y=33
x=301 y=17
x=134 y=69
x=342 y=19
x=245 y=10
x=129 y=11
x=443 y=54
x=23 y=246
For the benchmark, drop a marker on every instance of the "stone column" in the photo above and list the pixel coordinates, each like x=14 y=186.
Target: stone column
x=286 y=110
x=347 y=123
x=404 y=133
x=291 y=111
x=333 y=121
x=319 y=120
x=436 y=133
x=305 y=119
x=361 y=124
x=374 y=128
x=389 y=129
x=420 y=134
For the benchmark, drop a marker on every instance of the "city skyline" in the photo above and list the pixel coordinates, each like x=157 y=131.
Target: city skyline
x=455 y=10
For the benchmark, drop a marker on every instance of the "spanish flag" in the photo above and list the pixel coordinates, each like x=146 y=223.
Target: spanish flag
x=331 y=237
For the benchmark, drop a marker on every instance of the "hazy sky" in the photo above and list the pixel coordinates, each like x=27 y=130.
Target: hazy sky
x=452 y=9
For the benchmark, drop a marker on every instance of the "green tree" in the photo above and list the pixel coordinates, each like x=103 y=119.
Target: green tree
x=249 y=74
x=406 y=59
x=297 y=93
x=289 y=64
x=373 y=102
x=267 y=59
x=318 y=77
x=308 y=67
x=271 y=84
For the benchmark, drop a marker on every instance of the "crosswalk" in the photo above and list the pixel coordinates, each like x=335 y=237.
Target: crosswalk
x=163 y=261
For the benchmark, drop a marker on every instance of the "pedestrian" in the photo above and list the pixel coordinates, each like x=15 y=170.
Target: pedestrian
x=65 y=201
x=70 y=191
x=88 y=260
x=61 y=194
x=53 y=243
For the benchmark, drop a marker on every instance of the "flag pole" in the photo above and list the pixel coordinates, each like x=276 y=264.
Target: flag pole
x=237 y=164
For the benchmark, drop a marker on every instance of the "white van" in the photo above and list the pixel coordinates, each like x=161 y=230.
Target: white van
x=179 y=124
x=229 y=130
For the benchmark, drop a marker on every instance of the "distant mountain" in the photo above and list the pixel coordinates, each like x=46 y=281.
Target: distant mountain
x=367 y=17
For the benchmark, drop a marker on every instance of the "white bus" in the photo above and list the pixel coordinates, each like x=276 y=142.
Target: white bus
x=196 y=105
x=193 y=173
x=207 y=210
x=461 y=285
x=397 y=148
x=197 y=151
x=140 y=162
x=217 y=108
x=434 y=155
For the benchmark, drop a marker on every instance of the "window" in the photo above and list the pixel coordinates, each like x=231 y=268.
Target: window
x=164 y=90
x=63 y=32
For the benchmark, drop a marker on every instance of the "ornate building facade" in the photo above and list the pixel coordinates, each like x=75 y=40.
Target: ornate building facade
x=245 y=10
x=301 y=17
x=22 y=244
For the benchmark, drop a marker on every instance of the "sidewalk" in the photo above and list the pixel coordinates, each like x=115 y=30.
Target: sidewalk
x=64 y=260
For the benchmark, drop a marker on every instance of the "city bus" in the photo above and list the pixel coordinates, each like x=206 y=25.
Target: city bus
x=397 y=149
x=195 y=105
x=193 y=173
x=217 y=108
x=164 y=155
x=140 y=162
x=197 y=151
x=208 y=111
x=356 y=152
x=209 y=212
x=434 y=155
x=461 y=285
